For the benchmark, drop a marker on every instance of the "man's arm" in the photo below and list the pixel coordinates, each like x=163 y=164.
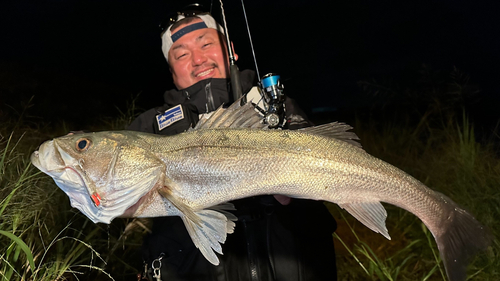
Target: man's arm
x=296 y=118
x=143 y=122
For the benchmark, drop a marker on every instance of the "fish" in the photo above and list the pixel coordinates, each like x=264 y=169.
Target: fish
x=231 y=155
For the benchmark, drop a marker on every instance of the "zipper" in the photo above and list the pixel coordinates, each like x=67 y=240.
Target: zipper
x=210 y=106
x=252 y=263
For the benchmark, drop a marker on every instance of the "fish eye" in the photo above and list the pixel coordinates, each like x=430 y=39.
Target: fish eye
x=82 y=144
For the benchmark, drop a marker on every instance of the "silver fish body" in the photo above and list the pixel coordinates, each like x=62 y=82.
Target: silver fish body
x=194 y=174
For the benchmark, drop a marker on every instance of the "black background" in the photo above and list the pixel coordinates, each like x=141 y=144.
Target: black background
x=83 y=59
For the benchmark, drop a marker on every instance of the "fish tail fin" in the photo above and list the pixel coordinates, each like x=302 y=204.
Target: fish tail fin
x=463 y=238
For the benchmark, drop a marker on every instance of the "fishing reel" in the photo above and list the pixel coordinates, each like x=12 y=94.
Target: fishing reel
x=271 y=90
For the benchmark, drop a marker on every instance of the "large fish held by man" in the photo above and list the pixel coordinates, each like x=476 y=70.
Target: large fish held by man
x=230 y=155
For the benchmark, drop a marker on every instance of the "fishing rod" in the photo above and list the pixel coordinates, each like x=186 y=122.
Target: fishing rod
x=233 y=68
x=270 y=86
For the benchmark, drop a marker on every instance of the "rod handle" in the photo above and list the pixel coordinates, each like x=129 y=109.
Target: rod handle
x=236 y=83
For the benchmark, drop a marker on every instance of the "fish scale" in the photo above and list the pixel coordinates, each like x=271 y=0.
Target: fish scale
x=369 y=179
x=193 y=175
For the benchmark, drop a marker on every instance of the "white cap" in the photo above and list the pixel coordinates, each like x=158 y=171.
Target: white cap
x=167 y=40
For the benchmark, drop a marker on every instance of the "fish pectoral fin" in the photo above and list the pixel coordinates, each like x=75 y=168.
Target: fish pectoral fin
x=224 y=208
x=371 y=214
x=210 y=233
x=185 y=209
x=207 y=228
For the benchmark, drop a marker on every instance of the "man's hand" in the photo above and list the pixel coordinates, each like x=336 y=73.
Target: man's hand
x=284 y=200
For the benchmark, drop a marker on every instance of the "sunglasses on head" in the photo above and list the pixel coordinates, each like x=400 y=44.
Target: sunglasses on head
x=188 y=11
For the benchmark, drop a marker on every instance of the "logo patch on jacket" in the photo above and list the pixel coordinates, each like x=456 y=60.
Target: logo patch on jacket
x=169 y=117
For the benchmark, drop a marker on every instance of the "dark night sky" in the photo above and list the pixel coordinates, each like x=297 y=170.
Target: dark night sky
x=85 y=57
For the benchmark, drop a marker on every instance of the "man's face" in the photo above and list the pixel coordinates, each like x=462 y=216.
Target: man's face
x=197 y=55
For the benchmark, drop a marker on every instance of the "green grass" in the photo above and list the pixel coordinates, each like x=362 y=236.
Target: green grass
x=423 y=129
x=446 y=158
x=43 y=238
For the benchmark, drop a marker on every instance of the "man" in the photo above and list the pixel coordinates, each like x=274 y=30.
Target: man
x=276 y=237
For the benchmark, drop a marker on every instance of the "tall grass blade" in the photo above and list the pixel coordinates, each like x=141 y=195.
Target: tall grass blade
x=22 y=246
x=351 y=253
x=4 y=155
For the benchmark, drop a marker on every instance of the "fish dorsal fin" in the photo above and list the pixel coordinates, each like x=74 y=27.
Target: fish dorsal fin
x=207 y=119
x=235 y=116
x=335 y=130
x=371 y=214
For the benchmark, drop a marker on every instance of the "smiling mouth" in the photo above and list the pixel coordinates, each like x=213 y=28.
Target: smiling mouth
x=205 y=73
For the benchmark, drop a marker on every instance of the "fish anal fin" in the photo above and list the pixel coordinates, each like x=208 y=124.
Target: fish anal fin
x=371 y=214
x=166 y=192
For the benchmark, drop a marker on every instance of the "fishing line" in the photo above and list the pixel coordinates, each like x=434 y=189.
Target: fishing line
x=270 y=87
x=250 y=38
x=229 y=49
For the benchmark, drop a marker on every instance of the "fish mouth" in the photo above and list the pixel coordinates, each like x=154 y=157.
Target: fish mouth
x=55 y=172
x=35 y=160
x=98 y=195
x=52 y=160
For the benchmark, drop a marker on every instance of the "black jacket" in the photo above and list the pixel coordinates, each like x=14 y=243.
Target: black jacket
x=271 y=241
